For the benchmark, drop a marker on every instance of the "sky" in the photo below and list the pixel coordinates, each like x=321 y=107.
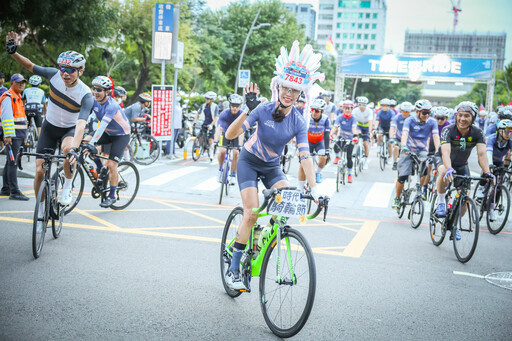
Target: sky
x=429 y=15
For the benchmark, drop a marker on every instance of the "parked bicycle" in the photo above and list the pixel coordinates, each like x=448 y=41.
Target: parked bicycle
x=143 y=147
x=461 y=219
x=47 y=199
x=496 y=201
x=281 y=256
x=412 y=196
x=126 y=190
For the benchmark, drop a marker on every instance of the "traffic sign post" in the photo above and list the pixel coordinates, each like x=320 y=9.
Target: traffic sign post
x=244 y=78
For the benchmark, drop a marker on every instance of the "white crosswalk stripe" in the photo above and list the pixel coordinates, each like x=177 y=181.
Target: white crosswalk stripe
x=210 y=184
x=167 y=177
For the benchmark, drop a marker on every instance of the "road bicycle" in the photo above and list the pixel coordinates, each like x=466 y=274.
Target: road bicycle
x=127 y=188
x=461 y=216
x=358 y=155
x=31 y=110
x=383 y=152
x=282 y=258
x=432 y=182
x=340 y=148
x=47 y=199
x=201 y=144
x=496 y=202
x=412 y=196
x=143 y=147
x=225 y=169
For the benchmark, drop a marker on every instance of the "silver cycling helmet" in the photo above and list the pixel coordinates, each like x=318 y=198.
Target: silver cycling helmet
x=439 y=112
x=406 y=106
x=504 y=124
x=35 y=80
x=423 y=104
x=318 y=104
x=235 y=100
x=210 y=95
x=102 y=82
x=71 y=59
x=469 y=107
x=362 y=100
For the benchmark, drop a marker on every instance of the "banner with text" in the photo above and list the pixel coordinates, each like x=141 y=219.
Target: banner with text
x=416 y=67
x=161 y=113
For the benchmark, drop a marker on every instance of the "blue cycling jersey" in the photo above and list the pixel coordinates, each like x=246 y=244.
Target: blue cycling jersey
x=419 y=133
x=270 y=138
x=226 y=118
x=498 y=154
x=491 y=129
x=346 y=126
x=34 y=95
x=398 y=123
x=385 y=117
x=111 y=117
x=480 y=122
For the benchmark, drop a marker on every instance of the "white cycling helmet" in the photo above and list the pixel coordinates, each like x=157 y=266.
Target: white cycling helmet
x=235 y=100
x=483 y=113
x=440 y=112
x=347 y=103
x=493 y=118
x=504 y=124
x=119 y=91
x=392 y=102
x=318 y=104
x=469 y=107
x=145 y=97
x=406 y=106
x=362 y=100
x=210 y=95
x=71 y=59
x=505 y=114
x=35 y=80
x=384 y=101
x=102 y=82
x=423 y=104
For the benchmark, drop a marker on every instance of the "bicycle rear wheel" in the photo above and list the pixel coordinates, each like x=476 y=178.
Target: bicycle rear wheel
x=437 y=229
x=128 y=185
x=40 y=220
x=58 y=210
x=382 y=156
x=146 y=152
x=226 y=246
x=466 y=222
x=501 y=210
x=196 y=148
x=417 y=212
x=286 y=302
x=224 y=181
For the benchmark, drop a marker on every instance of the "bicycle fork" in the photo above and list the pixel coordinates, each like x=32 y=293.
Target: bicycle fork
x=293 y=279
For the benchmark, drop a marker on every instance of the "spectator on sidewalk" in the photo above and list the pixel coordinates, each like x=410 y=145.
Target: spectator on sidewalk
x=14 y=124
x=2 y=87
x=176 y=126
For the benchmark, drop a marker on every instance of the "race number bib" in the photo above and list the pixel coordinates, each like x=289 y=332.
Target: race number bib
x=289 y=204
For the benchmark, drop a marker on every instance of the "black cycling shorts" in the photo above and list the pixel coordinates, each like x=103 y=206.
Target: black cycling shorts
x=114 y=146
x=51 y=135
x=227 y=142
x=250 y=168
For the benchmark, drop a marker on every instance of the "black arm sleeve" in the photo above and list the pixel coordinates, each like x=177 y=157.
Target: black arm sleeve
x=86 y=107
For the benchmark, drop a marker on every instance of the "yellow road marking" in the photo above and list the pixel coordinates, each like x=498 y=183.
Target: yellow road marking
x=30 y=221
x=99 y=220
x=226 y=207
x=356 y=247
x=190 y=211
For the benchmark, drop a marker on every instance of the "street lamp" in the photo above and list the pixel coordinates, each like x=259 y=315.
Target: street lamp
x=506 y=84
x=245 y=44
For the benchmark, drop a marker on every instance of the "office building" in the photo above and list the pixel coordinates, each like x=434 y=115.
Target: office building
x=306 y=16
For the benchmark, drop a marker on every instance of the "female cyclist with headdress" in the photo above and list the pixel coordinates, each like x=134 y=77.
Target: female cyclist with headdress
x=278 y=122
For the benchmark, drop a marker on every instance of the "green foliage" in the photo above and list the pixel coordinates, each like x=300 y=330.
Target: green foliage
x=377 y=89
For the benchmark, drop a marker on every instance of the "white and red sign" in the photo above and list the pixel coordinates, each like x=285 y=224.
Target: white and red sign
x=161 y=117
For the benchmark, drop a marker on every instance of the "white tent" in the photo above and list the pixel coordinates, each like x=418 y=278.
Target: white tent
x=315 y=91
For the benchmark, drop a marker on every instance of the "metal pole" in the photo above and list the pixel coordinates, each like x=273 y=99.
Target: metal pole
x=354 y=90
x=243 y=50
x=162 y=80
x=174 y=104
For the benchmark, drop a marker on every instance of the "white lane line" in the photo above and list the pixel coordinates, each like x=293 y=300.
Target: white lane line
x=210 y=184
x=378 y=195
x=166 y=177
x=469 y=274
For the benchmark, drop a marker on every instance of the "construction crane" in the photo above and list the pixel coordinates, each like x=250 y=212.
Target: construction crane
x=456 y=9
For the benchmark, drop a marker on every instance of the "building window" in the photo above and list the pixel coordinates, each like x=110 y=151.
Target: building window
x=359 y=36
x=344 y=46
x=324 y=27
x=367 y=15
x=361 y=15
x=359 y=25
x=352 y=35
x=353 y=25
x=366 y=26
x=339 y=14
x=365 y=46
x=351 y=46
x=374 y=36
x=322 y=36
x=346 y=25
x=337 y=35
x=345 y=35
x=337 y=46
x=325 y=17
x=366 y=36
x=374 y=26
x=365 y=4
x=338 y=25
x=328 y=7
x=372 y=47
x=358 y=46
x=374 y=15
x=342 y=4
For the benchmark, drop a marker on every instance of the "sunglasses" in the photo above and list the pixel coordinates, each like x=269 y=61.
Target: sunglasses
x=425 y=112
x=405 y=112
x=441 y=118
x=69 y=70
x=286 y=89
x=315 y=111
x=97 y=89
x=235 y=106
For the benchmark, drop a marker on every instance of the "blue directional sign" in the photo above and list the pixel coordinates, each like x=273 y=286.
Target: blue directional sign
x=244 y=78
x=164 y=17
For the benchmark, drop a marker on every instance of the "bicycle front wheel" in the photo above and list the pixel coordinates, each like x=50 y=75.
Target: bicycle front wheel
x=41 y=217
x=467 y=224
x=497 y=218
x=146 y=152
x=226 y=246
x=437 y=229
x=417 y=211
x=383 y=157
x=196 y=148
x=58 y=210
x=224 y=182
x=128 y=185
x=286 y=301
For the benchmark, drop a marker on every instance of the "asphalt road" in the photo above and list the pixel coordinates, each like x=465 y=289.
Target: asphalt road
x=152 y=270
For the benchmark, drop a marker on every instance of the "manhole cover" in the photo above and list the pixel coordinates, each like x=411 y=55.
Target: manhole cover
x=501 y=279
